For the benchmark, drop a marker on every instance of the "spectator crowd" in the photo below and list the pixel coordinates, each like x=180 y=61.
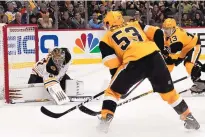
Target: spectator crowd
x=89 y=15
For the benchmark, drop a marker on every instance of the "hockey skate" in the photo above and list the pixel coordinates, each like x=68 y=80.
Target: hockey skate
x=190 y=122
x=105 y=123
x=198 y=88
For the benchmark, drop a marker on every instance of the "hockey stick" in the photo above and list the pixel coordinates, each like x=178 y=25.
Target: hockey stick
x=94 y=113
x=125 y=95
x=184 y=91
x=29 y=101
x=26 y=86
x=57 y=115
x=72 y=99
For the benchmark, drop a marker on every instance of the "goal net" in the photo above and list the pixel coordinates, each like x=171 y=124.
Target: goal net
x=18 y=53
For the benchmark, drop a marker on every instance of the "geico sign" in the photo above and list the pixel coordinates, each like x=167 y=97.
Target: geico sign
x=45 y=38
x=21 y=44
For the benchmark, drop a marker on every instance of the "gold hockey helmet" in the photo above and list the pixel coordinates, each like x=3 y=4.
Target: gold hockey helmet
x=113 y=18
x=169 y=23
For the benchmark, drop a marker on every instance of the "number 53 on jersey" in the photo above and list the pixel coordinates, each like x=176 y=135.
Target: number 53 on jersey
x=128 y=43
x=124 y=36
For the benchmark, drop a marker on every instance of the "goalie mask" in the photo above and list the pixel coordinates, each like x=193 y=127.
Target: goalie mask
x=58 y=57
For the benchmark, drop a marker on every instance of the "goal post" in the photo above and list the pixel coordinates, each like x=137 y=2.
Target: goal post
x=18 y=52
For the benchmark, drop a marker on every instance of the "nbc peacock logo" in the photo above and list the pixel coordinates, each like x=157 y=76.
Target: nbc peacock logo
x=86 y=44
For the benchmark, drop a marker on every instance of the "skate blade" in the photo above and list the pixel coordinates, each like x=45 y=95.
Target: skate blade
x=191 y=128
x=198 y=94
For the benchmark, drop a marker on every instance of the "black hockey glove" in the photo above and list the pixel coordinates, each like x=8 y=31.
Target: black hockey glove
x=202 y=66
x=166 y=51
x=196 y=71
x=178 y=61
x=169 y=60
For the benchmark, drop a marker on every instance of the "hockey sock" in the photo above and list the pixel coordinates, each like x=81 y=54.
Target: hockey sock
x=176 y=102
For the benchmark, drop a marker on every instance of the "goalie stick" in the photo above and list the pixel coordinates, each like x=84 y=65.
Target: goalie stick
x=95 y=113
x=26 y=86
x=58 y=115
x=72 y=98
x=29 y=101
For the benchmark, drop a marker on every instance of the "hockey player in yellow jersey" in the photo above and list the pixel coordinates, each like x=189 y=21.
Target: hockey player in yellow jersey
x=130 y=55
x=178 y=40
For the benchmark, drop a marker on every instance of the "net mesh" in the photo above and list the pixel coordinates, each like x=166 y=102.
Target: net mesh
x=21 y=55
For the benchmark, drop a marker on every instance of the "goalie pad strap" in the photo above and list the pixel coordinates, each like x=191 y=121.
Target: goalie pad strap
x=49 y=82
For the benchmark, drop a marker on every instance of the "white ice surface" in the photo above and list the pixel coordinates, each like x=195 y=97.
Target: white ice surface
x=146 y=117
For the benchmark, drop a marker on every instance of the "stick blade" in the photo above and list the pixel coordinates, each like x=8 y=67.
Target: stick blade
x=49 y=113
x=88 y=111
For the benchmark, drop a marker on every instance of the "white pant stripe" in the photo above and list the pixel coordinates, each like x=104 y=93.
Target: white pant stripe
x=179 y=100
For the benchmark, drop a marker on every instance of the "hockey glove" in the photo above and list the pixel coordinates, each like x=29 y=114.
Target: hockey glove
x=196 y=71
x=166 y=51
x=201 y=65
x=178 y=61
x=169 y=60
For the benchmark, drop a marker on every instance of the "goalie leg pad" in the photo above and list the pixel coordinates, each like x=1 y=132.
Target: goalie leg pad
x=58 y=94
x=74 y=87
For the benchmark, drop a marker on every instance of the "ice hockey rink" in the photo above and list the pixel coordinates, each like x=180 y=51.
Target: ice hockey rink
x=148 y=116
